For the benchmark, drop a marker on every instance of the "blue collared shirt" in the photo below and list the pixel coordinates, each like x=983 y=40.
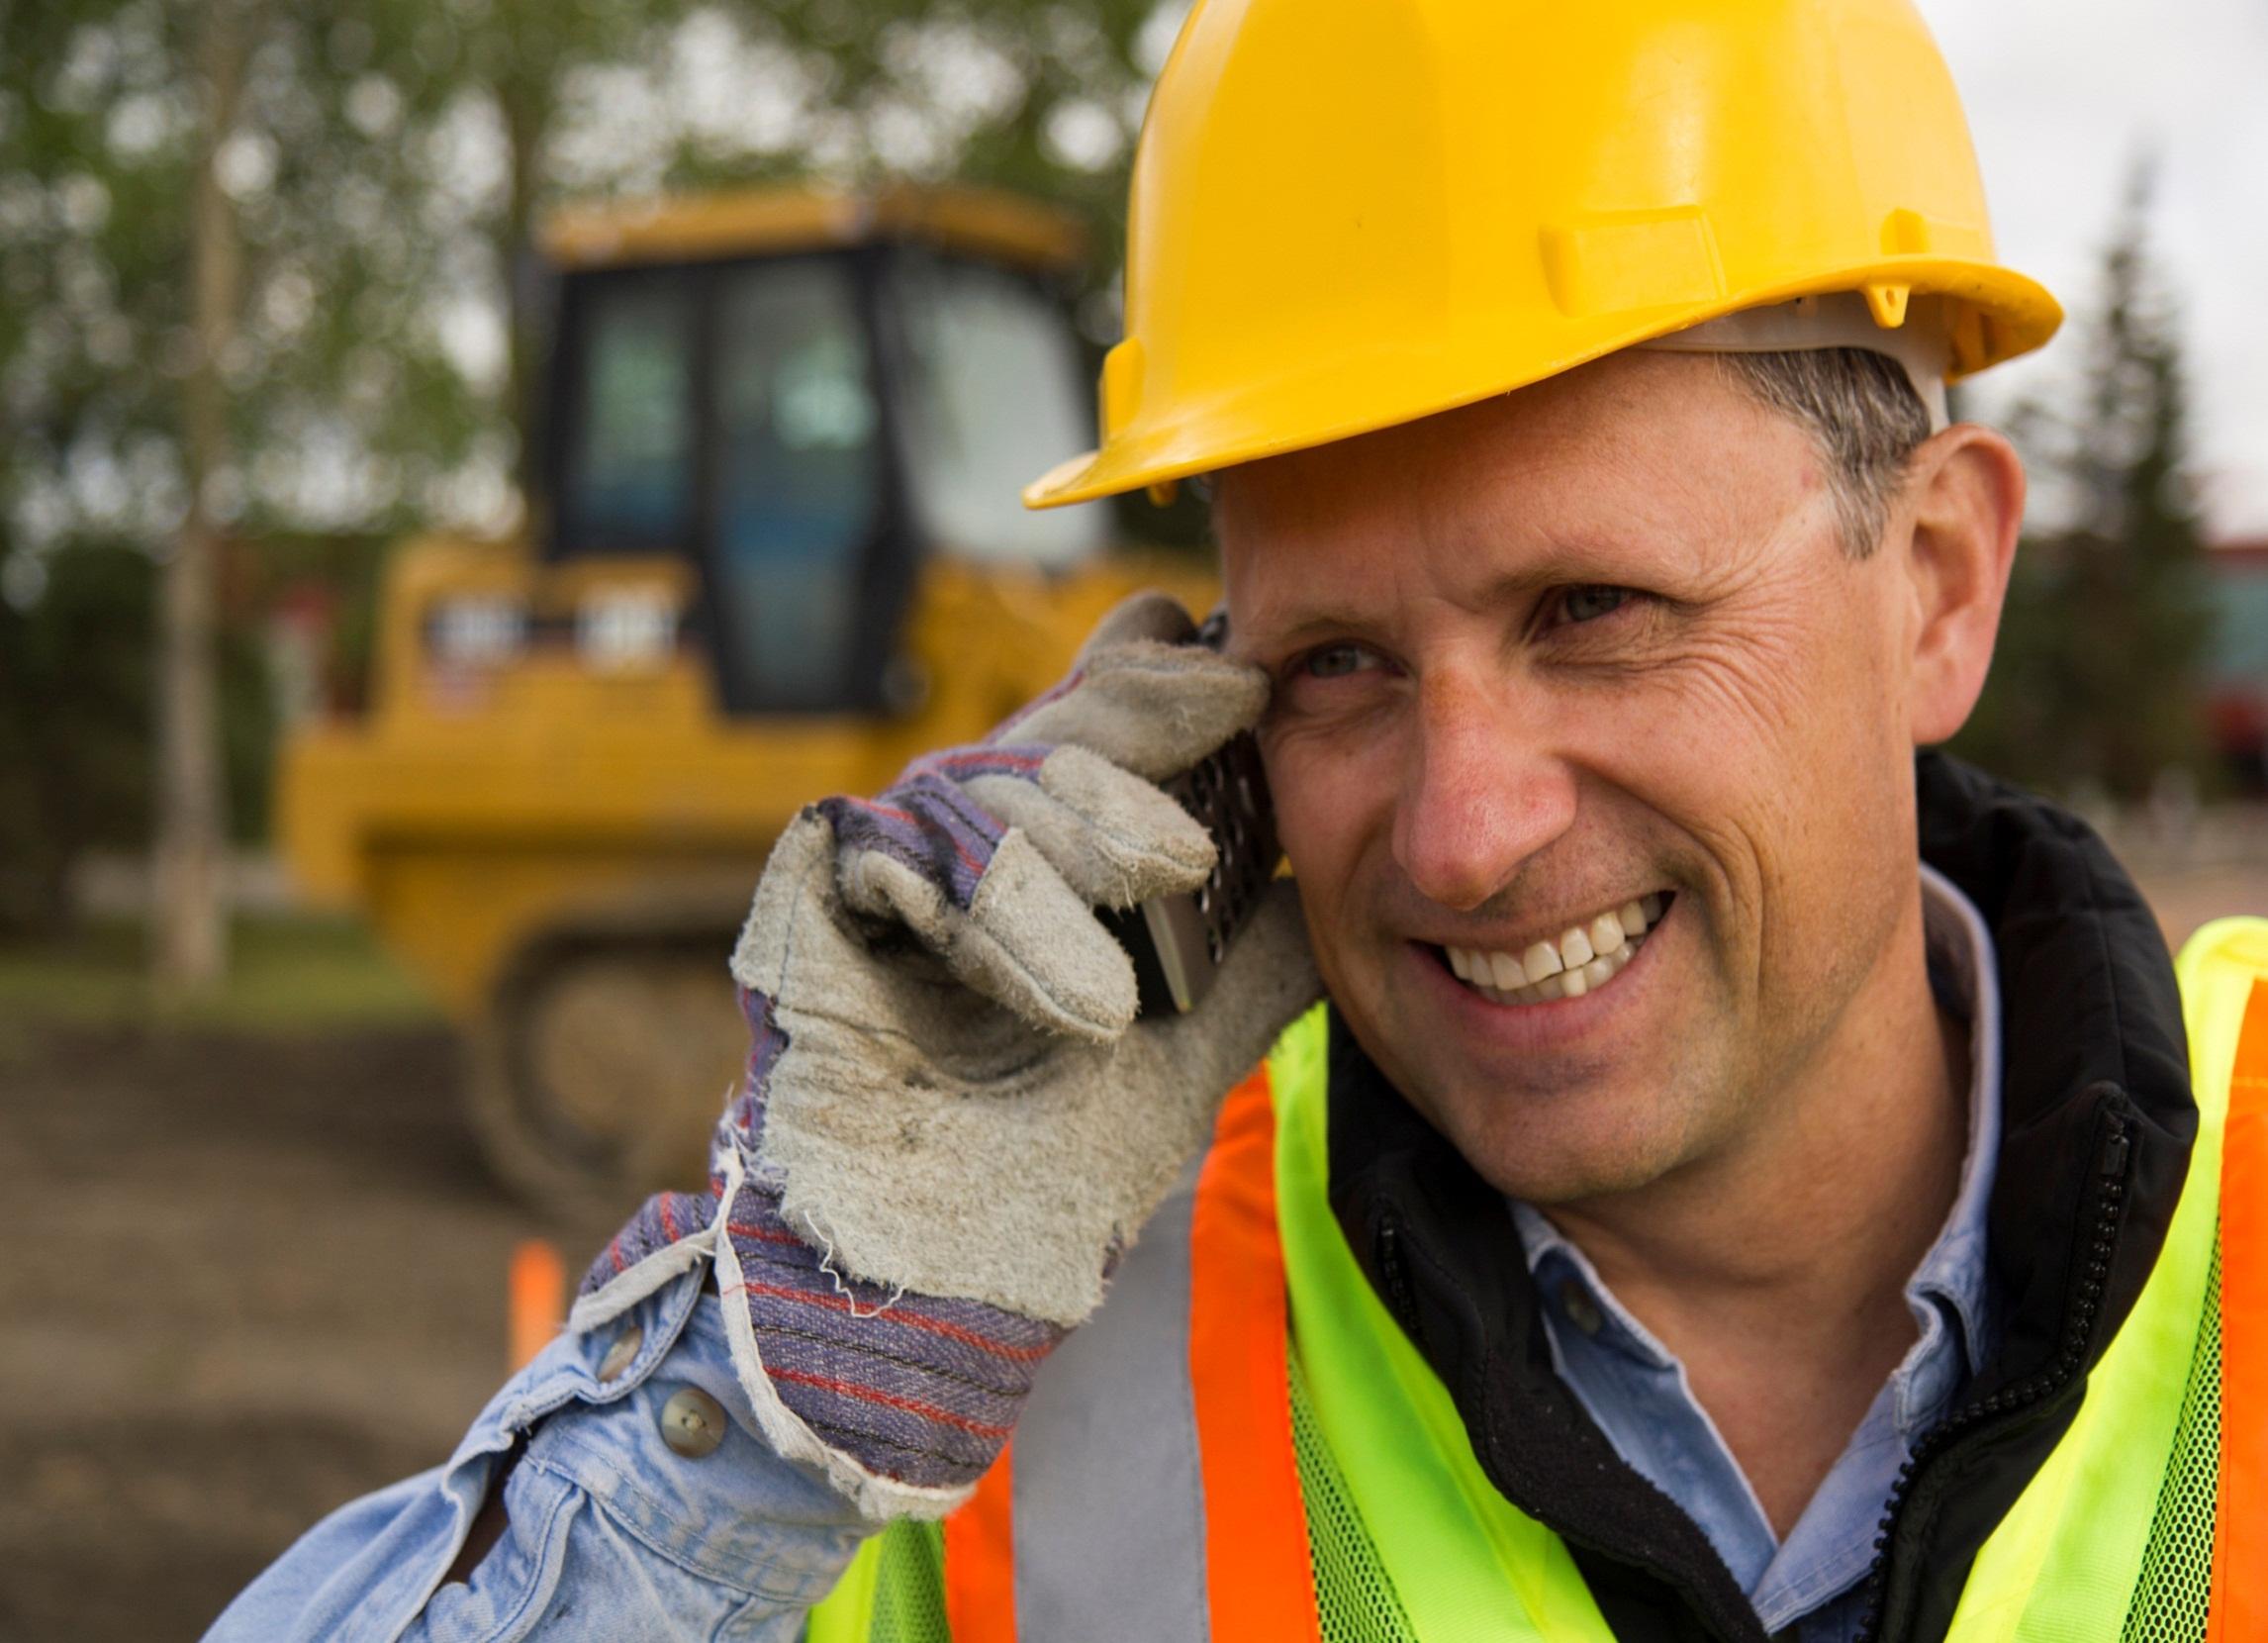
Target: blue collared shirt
x=1638 y=1393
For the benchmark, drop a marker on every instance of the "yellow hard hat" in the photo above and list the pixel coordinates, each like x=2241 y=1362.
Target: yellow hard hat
x=1349 y=214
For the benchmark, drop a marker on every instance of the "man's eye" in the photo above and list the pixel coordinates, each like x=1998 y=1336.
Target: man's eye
x=1592 y=601
x=1336 y=661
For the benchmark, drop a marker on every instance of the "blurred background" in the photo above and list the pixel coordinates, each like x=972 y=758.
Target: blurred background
x=471 y=471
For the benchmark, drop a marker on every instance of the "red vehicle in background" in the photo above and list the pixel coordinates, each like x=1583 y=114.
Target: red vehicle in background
x=2236 y=674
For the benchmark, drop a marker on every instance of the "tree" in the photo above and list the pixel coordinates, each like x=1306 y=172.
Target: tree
x=234 y=238
x=2096 y=680
x=367 y=188
x=189 y=854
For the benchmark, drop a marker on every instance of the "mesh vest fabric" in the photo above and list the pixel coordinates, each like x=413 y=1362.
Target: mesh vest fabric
x=1354 y=1596
x=909 y=1586
x=2177 y=1569
x=894 y=1592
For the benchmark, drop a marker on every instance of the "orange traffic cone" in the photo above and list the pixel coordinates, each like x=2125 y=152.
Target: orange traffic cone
x=538 y=1298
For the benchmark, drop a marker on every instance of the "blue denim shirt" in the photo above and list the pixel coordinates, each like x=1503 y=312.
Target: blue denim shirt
x=611 y=1534
x=1638 y=1393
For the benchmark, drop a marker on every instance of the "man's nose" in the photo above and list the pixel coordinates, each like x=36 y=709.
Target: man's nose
x=1481 y=796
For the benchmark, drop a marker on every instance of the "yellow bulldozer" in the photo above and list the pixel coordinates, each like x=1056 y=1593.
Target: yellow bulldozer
x=775 y=551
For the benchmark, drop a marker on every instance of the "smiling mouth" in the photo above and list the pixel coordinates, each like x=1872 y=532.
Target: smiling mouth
x=1584 y=958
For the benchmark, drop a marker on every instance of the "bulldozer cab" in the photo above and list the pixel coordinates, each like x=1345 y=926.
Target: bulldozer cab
x=805 y=403
x=775 y=551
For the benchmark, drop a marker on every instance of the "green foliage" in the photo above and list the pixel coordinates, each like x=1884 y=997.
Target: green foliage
x=386 y=172
x=391 y=158
x=2096 y=683
x=346 y=405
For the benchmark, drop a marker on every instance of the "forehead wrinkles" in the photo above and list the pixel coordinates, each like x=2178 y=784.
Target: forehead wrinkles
x=1381 y=565
x=1641 y=462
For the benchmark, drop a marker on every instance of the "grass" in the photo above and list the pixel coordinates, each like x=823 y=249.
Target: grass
x=287 y=973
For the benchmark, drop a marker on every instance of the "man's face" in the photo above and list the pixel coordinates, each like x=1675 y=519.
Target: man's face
x=1548 y=656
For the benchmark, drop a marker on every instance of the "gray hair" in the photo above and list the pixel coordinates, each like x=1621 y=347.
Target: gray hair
x=1862 y=415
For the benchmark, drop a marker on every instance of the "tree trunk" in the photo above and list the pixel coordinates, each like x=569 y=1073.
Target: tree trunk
x=189 y=910
x=524 y=106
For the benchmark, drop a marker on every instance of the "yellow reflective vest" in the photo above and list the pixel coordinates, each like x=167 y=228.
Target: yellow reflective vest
x=1245 y=1446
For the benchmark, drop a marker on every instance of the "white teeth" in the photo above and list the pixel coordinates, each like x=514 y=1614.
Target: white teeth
x=1585 y=957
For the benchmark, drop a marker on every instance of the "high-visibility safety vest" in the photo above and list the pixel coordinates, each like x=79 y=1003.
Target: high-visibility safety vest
x=1192 y=1467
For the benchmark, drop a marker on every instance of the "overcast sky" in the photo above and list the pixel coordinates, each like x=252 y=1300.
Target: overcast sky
x=2061 y=95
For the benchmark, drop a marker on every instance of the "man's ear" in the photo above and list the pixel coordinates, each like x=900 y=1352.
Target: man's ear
x=1963 y=506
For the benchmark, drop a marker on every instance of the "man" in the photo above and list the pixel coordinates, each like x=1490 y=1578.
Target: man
x=1744 y=1182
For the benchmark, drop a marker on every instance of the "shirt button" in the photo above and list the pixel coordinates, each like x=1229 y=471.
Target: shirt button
x=1582 y=1311
x=621 y=1353
x=693 y=1422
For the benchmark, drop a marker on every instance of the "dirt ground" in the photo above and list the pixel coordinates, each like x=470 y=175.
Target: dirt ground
x=248 y=1278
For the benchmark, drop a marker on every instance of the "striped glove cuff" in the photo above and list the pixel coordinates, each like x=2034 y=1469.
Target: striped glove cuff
x=917 y=1393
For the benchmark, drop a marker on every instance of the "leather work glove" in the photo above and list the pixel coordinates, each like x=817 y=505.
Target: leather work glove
x=952 y=1123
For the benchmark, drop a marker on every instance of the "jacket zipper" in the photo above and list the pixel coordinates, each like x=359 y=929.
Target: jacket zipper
x=1398 y=1281
x=2002 y=1407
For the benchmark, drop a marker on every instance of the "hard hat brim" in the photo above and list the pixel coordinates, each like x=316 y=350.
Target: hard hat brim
x=1998 y=314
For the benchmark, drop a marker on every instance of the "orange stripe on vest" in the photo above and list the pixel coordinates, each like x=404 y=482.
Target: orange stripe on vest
x=1260 y=1585
x=2239 y=1608
x=981 y=1562
x=1259 y=1588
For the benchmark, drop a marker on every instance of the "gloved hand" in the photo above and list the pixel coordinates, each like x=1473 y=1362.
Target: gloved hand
x=952 y=1122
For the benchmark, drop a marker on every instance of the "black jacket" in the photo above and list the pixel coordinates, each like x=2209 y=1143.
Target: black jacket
x=2098 y=1121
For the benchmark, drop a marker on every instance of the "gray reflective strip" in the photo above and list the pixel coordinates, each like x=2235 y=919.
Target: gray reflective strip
x=1109 y=1507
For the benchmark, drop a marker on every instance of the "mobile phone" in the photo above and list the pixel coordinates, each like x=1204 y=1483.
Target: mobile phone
x=1177 y=942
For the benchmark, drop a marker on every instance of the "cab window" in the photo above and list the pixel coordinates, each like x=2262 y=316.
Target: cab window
x=798 y=479
x=995 y=392
x=627 y=453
